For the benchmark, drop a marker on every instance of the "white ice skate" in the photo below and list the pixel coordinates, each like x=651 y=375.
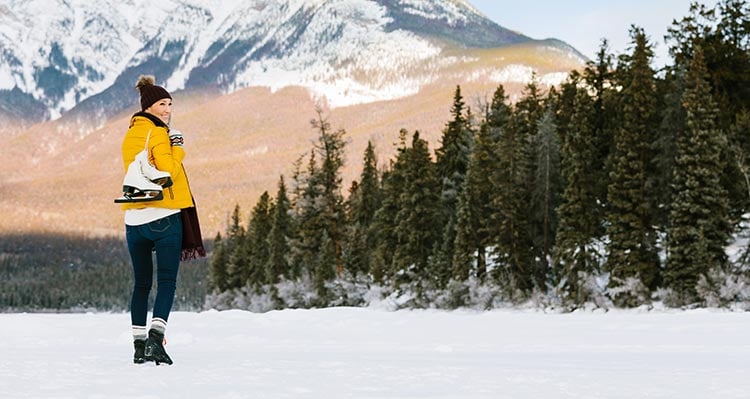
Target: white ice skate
x=143 y=182
x=137 y=188
x=164 y=179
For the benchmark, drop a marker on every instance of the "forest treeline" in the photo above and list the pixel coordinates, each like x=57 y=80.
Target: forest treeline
x=68 y=272
x=623 y=186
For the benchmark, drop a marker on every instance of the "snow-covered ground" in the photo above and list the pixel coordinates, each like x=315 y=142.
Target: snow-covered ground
x=371 y=353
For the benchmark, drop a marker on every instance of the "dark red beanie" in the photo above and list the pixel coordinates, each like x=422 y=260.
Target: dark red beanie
x=150 y=93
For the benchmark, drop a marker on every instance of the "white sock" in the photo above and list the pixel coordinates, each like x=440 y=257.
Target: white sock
x=139 y=333
x=159 y=324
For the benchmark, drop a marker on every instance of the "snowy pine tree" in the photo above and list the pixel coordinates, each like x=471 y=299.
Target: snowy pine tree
x=452 y=164
x=279 y=237
x=256 y=241
x=237 y=265
x=632 y=250
x=417 y=221
x=578 y=229
x=218 y=267
x=384 y=225
x=699 y=223
x=513 y=247
x=476 y=230
x=545 y=194
x=364 y=201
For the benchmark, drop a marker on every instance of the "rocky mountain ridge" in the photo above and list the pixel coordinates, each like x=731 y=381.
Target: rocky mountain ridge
x=80 y=58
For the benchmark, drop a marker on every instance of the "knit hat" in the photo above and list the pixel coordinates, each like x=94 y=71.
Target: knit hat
x=150 y=93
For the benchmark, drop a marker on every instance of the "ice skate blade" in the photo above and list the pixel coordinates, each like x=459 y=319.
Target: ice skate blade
x=141 y=198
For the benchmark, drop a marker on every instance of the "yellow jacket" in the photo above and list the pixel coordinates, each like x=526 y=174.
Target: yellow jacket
x=162 y=155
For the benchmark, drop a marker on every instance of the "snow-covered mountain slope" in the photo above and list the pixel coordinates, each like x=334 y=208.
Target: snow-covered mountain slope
x=57 y=55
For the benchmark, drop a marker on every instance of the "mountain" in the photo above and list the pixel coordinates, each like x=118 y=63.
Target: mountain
x=58 y=55
x=247 y=77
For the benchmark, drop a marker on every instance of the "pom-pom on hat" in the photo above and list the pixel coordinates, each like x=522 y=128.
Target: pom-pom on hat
x=150 y=93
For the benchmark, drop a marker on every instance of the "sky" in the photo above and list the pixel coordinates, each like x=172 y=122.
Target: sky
x=583 y=23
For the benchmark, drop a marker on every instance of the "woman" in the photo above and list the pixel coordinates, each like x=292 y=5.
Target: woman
x=155 y=225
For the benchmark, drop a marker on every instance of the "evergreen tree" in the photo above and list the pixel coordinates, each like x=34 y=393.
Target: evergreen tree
x=723 y=34
x=741 y=148
x=236 y=252
x=355 y=252
x=218 y=272
x=690 y=30
x=299 y=181
x=529 y=109
x=599 y=78
x=499 y=115
x=258 y=232
x=330 y=148
x=699 y=224
x=672 y=125
x=384 y=225
x=528 y=113
x=320 y=206
x=510 y=208
x=368 y=194
x=579 y=225
x=545 y=195
x=632 y=251
x=364 y=201
x=453 y=154
x=681 y=37
x=309 y=221
x=324 y=270
x=730 y=80
x=741 y=157
x=452 y=164
x=477 y=228
x=474 y=229
x=563 y=102
x=417 y=229
x=279 y=237
x=726 y=53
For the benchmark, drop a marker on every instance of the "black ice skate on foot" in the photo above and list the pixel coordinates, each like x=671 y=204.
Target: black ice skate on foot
x=155 y=348
x=140 y=349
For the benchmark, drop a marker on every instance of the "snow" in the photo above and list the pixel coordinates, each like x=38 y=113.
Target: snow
x=371 y=353
x=333 y=69
x=218 y=15
x=518 y=73
x=449 y=10
x=740 y=241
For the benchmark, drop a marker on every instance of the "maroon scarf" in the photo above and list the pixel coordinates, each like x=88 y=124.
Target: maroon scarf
x=192 y=242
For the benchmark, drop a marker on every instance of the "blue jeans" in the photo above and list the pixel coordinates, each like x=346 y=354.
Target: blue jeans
x=165 y=237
